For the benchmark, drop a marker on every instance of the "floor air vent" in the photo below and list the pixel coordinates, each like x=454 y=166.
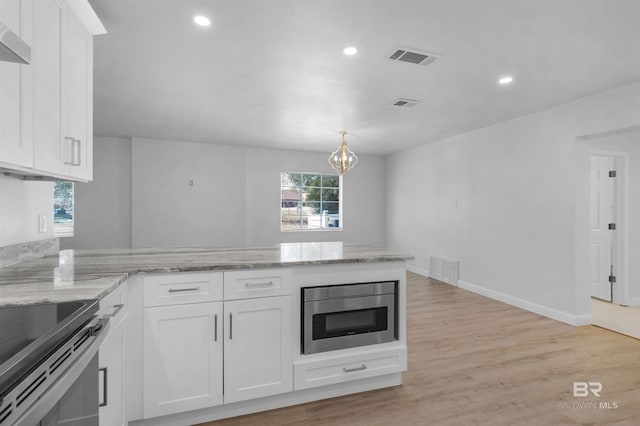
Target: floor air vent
x=413 y=56
x=443 y=269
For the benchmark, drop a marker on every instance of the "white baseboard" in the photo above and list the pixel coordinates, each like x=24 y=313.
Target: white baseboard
x=419 y=271
x=527 y=306
x=631 y=301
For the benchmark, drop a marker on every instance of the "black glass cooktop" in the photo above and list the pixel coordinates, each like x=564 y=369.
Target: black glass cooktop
x=28 y=333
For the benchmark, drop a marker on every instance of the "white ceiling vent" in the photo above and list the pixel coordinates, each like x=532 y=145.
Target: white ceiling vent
x=405 y=103
x=413 y=56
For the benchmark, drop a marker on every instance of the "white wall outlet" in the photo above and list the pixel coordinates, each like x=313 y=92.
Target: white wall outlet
x=42 y=223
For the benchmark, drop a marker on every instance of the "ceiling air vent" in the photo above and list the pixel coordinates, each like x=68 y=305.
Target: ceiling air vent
x=405 y=103
x=413 y=56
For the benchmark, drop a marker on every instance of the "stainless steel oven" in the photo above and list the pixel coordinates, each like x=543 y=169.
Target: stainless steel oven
x=348 y=315
x=49 y=363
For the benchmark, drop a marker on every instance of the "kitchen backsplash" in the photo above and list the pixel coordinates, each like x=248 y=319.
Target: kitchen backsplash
x=16 y=253
x=20 y=204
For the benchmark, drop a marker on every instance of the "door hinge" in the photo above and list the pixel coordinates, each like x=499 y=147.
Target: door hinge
x=612 y=226
x=612 y=279
x=612 y=173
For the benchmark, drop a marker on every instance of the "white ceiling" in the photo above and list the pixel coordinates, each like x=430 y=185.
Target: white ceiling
x=271 y=73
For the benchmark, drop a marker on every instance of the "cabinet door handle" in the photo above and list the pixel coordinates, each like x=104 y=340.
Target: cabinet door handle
x=72 y=151
x=230 y=326
x=116 y=309
x=103 y=371
x=76 y=158
x=350 y=370
x=178 y=290
x=215 y=328
x=68 y=150
x=265 y=284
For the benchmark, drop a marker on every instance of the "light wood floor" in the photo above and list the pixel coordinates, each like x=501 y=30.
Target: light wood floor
x=475 y=361
x=623 y=319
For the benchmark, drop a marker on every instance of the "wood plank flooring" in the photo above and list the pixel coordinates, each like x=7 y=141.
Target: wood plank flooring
x=476 y=361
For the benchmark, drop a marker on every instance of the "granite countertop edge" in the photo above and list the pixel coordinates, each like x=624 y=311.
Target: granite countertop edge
x=94 y=274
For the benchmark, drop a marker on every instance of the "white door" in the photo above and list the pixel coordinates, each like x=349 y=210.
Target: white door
x=258 y=351
x=182 y=360
x=601 y=237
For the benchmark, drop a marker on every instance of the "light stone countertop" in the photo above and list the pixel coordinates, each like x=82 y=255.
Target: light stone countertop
x=92 y=274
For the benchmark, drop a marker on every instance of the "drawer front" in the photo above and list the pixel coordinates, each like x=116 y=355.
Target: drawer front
x=326 y=372
x=177 y=289
x=115 y=305
x=257 y=283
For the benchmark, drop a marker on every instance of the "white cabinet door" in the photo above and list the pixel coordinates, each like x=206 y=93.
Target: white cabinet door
x=78 y=80
x=111 y=388
x=16 y=90
x=257 y=348
x=63 y=92
x=49 y=18
x=182 y=361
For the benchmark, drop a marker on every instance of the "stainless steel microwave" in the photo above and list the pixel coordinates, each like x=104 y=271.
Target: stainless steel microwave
x=349 y=315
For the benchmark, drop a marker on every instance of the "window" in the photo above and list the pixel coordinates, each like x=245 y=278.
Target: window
x=310 y=201
x=63 y=209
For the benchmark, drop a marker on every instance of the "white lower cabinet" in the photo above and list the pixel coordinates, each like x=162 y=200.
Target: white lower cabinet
x=201 y=351
x=328 y=369
x=111 y=358
x=257 y=348
x=182 y=368
x=111 y=378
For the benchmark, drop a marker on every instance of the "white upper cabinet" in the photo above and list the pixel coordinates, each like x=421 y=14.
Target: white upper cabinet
x=79 y=106
x=47 y=67
x=16 y=90
x=52 y=98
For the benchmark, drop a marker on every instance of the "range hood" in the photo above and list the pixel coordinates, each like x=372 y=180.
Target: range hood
x=12 y=48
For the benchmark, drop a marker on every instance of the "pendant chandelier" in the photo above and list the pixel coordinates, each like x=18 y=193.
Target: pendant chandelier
x=343 y=159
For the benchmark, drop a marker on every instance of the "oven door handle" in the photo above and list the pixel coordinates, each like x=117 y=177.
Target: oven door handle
x=53 y=394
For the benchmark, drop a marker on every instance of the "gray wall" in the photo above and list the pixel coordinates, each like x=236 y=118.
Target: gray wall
x=169 y=212
x=363 y=198
x=102 y=208
x=503 y=201
x=141 y=196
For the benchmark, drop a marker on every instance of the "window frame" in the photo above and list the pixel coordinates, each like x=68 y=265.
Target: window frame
x=321 y=188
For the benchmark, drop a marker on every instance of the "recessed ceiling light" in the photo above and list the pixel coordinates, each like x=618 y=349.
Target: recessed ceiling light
x=350 y=50
x=505 y=80
x=203 y=21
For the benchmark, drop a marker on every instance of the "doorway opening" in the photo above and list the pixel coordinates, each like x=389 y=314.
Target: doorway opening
x=608 y=228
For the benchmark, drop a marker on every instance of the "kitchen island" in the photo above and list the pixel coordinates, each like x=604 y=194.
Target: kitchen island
x=201 y=334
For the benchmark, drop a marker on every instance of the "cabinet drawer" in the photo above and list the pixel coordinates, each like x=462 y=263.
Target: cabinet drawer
x=177 y=289
x=347 y=368
x=115 y=304
x=257 y=283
